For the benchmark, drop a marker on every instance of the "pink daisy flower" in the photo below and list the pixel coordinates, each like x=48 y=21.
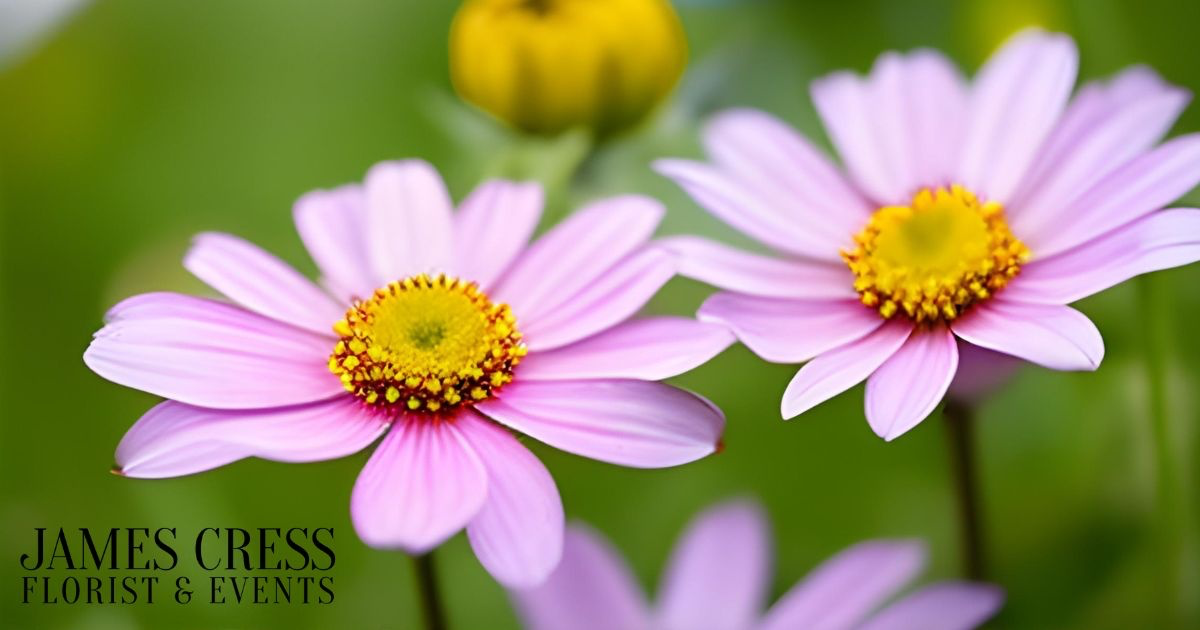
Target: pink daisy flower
x=966 y=215
x=719 y=575
x=436 y=330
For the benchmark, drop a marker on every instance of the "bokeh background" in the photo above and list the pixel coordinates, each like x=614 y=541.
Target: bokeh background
x=142 y=122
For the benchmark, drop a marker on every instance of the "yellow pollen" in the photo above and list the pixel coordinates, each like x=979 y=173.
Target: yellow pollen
x=934 y=258
x=426 y=344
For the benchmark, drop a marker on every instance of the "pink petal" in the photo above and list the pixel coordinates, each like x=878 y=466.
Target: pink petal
x=422 y=484
x=790 y=331
x=944 y=606
x=1058 y=337
x=719 y=572
x=1117 y=137
x=175 y=439
x=1161 y=240
x=649 y=349
x=980 y=372
x=492 y=226
x=631 y=423
x=408 y=220
x=847 y=587
x=837 y=370
x=592 y=589
x=753 y=274
x=909 y=385
x=746 y=210
x=610 y=299
x=333 y=226
x=519 y=532
x=210 y=354
x=766 y=154
x=899 y=129
x=1018 y=97
x=1138 y=188
x=576 y=253
x=259 y=281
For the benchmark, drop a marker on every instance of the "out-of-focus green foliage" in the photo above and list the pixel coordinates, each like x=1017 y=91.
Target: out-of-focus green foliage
x=143 y=122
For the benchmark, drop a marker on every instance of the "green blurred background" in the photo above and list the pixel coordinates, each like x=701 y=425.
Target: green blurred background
x=142 y=122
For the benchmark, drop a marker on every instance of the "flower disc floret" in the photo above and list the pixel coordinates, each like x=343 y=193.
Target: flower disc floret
x=426 y=344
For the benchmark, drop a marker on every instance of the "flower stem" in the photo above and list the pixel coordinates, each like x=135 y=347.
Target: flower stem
x=432 y=611
x=960 y=429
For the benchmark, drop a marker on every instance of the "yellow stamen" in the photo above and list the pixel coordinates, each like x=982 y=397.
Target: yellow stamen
x=934 y=258
x=426 y=344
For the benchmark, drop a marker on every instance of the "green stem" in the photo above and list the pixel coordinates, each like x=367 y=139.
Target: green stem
x=960 y=431
x=432 y=611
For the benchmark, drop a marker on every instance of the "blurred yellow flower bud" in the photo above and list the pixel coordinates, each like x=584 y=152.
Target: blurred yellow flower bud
x=545 y=66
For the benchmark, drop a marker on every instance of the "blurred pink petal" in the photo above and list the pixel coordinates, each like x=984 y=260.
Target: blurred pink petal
x=592 y=589
x=422 y=484
x=754 y=274
x=745 y=209
x=206 y=353
x=944 y=606
x=333 y=226
x=610 y=299
x=577 y=253
x=653 y=348
x=518 y=534
x=719 y=571
x=1138 y=188
x=408 y=219
x=1161 y=240
x=790 y=331
x=980 y=372
x=837 y=370
x=936 y=108
x=175 y=439
x=1015 y=102
x=259 y=281
x=910 y=384
x=639 y=424
x=492 y=226
x=796 y=177
x=1058 y=337
x=840 y=593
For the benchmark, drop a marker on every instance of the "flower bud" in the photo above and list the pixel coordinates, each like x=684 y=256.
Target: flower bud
x=545 y=66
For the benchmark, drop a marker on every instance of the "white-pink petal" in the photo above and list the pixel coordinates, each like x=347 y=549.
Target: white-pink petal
x=910 y=384
x=943 y=606
x=1162 y=240
x=1143 y=185
x=492 y=225
x=575 y=254
x=640 y=424
x=518 y=534
x=719 y=571
x=735 y=270
x=333 y=226
x=248 y=275
x=610 y=299
x=210 y=354
x=746 y=210
x=837 y=370
x=767 y=155
x=1055 y=336
x=790 y=331
x=651 y=349
x=1016 y=100
x=846 y=588
x=592 y=589
x=408 y=219
x=174 y=439
x=422 y=484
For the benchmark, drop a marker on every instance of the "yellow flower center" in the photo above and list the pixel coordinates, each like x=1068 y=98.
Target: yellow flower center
x=934 y=258
x=426 y=344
